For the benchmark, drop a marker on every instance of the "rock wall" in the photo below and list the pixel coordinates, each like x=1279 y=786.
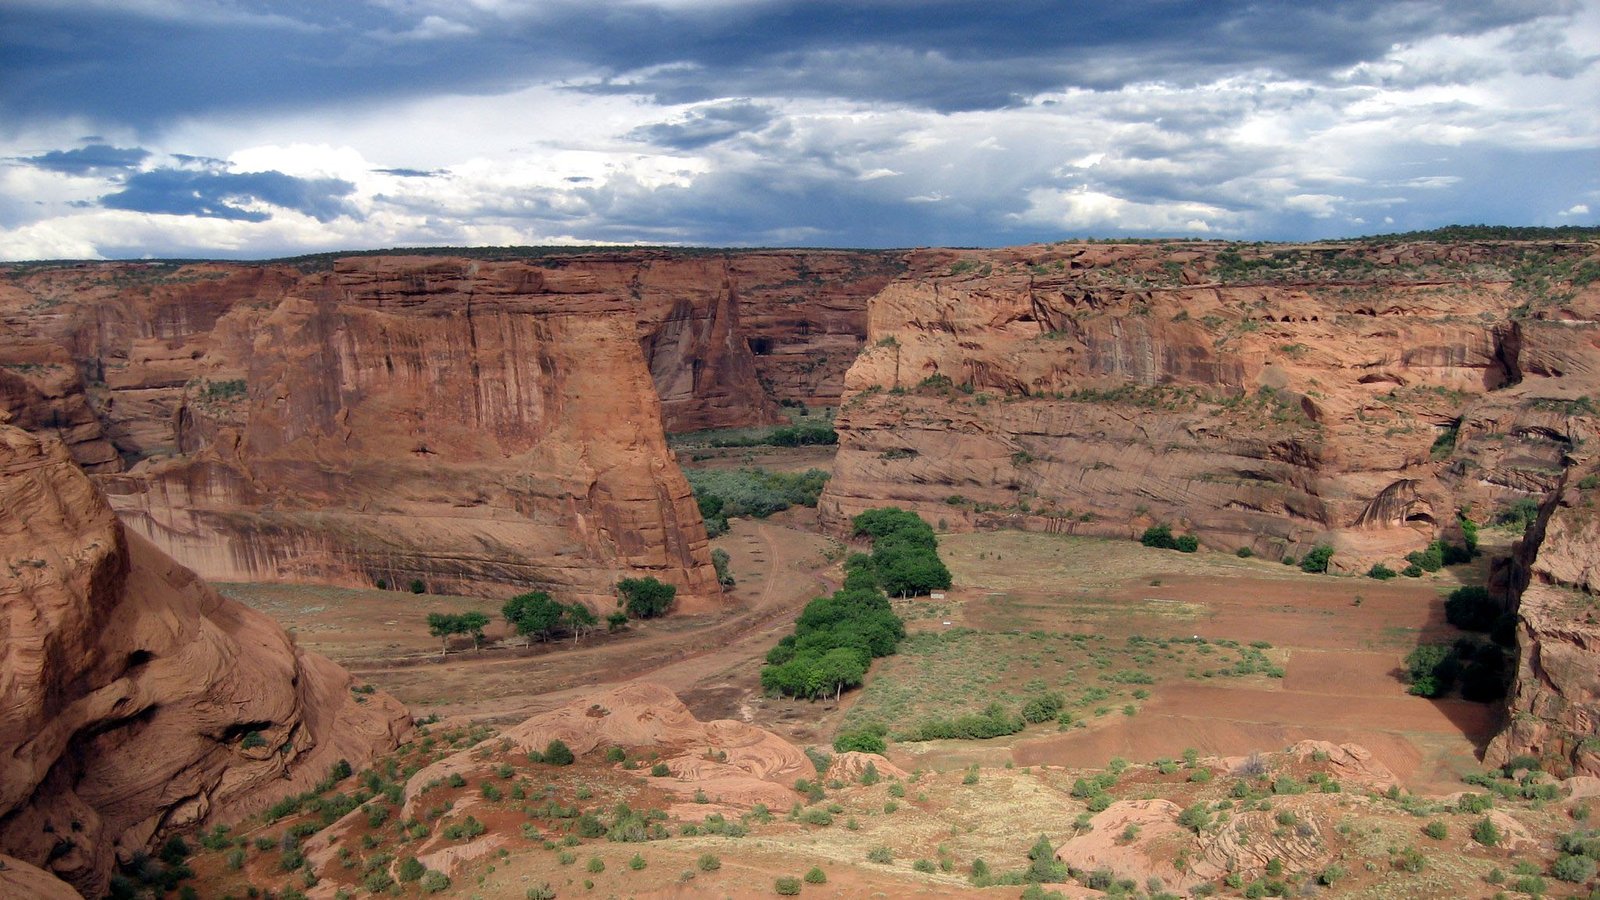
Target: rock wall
x=1265 y=397
x=1554 y=708
x=485 y=426
x=128 y=687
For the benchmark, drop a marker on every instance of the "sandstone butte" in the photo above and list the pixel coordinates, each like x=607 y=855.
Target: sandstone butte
x=490 y=425
x=134 y=700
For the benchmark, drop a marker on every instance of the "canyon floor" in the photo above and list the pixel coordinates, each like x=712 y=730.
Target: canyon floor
x=1160 y=656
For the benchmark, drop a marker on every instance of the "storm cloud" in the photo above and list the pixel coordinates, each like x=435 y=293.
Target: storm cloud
x=297 y=126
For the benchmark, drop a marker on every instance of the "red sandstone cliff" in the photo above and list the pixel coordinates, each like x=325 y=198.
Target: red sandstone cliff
x=1555 y=701
x=480 y=425
x=1272 y=398
x=127 y=686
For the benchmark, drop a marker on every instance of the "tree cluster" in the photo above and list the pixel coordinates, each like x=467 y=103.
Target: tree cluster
x=535 y=615
x=1434 y=669
x=751 y=492
x=833 y=643
x=444 y=625
x=905 y=554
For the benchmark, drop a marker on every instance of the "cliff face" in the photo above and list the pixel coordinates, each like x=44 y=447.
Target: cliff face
x=128 y=687
x=1555 y=700
x=482 y=426
x=1272 y=398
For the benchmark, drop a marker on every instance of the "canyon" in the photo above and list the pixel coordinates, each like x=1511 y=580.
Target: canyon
x=490 y=423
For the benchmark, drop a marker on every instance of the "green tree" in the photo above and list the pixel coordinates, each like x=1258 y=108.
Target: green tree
x=1317 y=560
x=578 y=619
x=719 y=561
x=473 y=623
x=442 y=626
x=646 y=598
x=534 y=614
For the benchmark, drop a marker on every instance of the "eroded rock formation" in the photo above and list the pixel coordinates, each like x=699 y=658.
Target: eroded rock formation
x=1555 y=701
x=134 y=700
x=1272 y=398
x=481 y=426
x=723 y=767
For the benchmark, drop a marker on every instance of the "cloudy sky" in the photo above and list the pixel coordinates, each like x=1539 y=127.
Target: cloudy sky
x=260 y=128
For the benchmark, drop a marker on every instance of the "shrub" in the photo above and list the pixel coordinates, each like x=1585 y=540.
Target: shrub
x=660 y=770
x=708 y=862
x=646 y=598
x=816 y=876
x=787 y=885
x=1317 y=560
x=993 y=722
x=1186 y=543
x=435 y=882
x=1195 y=817
x=1532 y=885
x=1520 y=514
x=867 y=740
x=1244 y=553
x=1576 y=869
x=596 y=865
x=1381 y=572
x=557 y=753
x=1043 y=708
x=1412 y=571
x=411 y=869
x=637 y=862
x=418 y=587
x=720 y=561
x=1160 y=537
x=1486 y=833
x=1436 y=830
x=880 y=855
x=1409 y=860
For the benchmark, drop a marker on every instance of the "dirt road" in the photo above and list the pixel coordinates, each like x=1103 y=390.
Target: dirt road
x=780 y=566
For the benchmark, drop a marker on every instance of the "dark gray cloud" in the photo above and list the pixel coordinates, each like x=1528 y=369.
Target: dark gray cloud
x=869 y=123
x=223 y=195
x=93 y=159
x=411 y=173
x=123 y=67
x=707 y=125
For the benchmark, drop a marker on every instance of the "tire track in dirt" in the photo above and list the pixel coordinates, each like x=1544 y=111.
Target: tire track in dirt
x=513 y=683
